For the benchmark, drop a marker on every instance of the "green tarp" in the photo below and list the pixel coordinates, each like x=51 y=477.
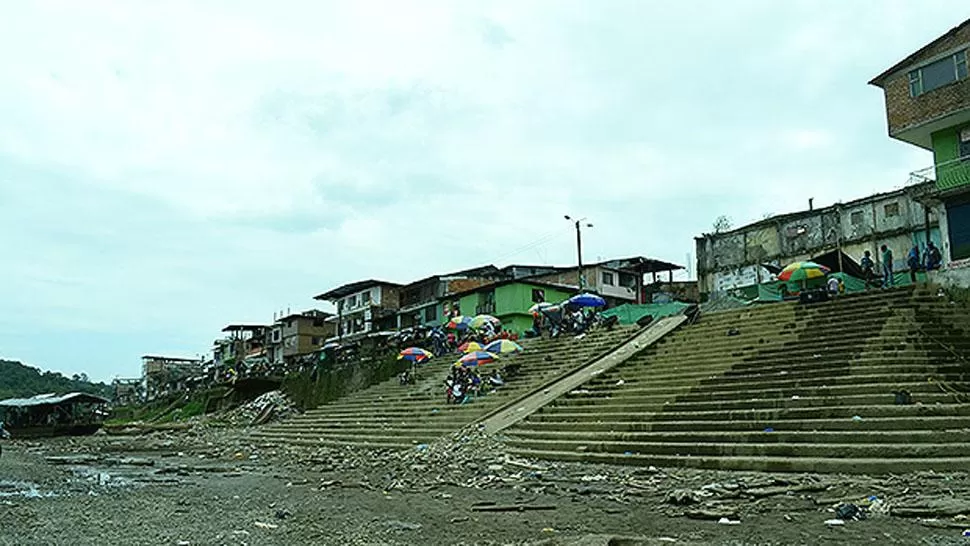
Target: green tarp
x=630 y=313
x=771 y=291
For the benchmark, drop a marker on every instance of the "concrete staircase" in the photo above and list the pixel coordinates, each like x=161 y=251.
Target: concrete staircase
x=394 y=416
x=780 y=387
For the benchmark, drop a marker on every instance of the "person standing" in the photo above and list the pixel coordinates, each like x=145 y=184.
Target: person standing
x=933 y=256
x=913 y=261
x=887 y=266
x=3 y=436
x=868 y=268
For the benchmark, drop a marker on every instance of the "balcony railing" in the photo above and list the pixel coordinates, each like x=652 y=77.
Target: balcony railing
x=949 y=174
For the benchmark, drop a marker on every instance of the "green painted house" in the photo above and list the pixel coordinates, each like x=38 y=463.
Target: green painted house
x=928 y=105
x=508 y=300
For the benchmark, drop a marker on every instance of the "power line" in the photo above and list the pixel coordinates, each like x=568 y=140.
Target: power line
x=541 y=241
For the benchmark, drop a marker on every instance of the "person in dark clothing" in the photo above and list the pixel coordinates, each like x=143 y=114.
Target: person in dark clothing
x=868 y=268
x=887 y=266
x=913 y=261
x=933 y=256
x=4 y=435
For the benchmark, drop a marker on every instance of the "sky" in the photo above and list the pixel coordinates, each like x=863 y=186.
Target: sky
x=167 y=168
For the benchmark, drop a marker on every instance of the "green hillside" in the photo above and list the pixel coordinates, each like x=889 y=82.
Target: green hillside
x=18 y=380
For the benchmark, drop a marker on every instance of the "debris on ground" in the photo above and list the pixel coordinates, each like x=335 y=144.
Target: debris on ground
x=268 y=407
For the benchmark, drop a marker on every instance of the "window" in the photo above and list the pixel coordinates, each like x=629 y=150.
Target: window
x=318 y=323
x=431 y=313
x=314 y=341
x=608 y=278
x=365 y=298
x=891 y=209
x=538 y=295
x=938 y=73
x=628 y=280
x=965 y=143
x=856 y=218
x=353 y=301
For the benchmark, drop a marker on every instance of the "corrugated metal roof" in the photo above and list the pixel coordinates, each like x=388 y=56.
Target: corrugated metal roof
x=51 y=399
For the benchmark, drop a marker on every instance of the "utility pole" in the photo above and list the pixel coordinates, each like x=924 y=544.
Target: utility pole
x=579 y=247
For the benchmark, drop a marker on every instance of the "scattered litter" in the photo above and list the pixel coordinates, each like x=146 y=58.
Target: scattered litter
x=262 y=525
x=769 y=429
x=620 y=382
x=834 y=522
x=849 y=511
x=856 y=418
x=728 y=521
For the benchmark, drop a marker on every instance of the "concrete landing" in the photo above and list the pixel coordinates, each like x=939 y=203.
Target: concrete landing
x=531 y=402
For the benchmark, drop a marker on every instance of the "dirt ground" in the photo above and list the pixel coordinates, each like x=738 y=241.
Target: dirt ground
x=215 y=487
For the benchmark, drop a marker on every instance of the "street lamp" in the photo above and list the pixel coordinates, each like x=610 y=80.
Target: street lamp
x=579 y=245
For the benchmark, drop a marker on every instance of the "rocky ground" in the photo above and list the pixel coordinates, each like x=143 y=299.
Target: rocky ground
x=213 y=486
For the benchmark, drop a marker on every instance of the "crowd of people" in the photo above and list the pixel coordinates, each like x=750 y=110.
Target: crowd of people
x=928 y=260
x=567 y=319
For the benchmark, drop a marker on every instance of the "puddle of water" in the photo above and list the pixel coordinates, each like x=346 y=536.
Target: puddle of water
x=30 y=490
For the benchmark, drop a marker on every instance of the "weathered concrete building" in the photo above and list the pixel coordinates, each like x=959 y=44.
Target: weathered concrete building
x=737 y=258
x=420 y=299
x=364 y=307
x=299 y=334
x=928 y=105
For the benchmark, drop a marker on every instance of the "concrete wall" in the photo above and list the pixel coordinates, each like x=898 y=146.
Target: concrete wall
x=731 y=260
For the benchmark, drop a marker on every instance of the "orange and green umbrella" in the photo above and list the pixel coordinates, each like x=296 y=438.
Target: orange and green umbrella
x=803 y=271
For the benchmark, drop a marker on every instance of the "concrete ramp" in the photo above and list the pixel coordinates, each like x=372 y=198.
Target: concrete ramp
x=533 y=401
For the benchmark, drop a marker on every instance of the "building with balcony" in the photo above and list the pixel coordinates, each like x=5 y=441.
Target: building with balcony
x=242 y=342
x=509 y=300
x=421 y=301
x=164 y=375
x=927 y=98
x=622 y=280
x=299 y=334
x=363 y=307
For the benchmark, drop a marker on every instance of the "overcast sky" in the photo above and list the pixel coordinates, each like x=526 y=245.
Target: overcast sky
x=169 y=167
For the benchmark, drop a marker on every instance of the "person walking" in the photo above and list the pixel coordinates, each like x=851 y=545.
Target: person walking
x=868 y=268
x=887 y=266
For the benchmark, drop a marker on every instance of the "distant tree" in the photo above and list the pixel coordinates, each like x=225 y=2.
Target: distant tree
x=722 y=224
x=18 y=380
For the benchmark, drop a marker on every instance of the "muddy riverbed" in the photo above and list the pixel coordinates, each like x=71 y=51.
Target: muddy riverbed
x=216 y=487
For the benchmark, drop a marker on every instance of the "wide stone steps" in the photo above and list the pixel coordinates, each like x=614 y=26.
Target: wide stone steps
x=611 y=412
x=394 y=416
x=879 y=465
x=733 y=449
x=627 y=423
x=776 y=437
x=684 y=394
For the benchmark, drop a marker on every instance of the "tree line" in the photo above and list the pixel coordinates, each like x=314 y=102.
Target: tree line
x=18 y=380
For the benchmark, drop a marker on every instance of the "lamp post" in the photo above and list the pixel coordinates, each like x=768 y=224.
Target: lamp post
x=579 y=246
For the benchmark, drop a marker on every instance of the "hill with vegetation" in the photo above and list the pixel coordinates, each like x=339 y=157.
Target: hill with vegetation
x=18 y=380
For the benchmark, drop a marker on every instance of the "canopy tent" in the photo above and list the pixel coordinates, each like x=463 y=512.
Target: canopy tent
x=831 y=261
x=630 y=313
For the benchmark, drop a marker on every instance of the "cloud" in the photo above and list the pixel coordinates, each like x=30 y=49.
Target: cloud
x=166 y=168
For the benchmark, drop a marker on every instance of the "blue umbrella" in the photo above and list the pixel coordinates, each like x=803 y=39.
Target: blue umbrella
x=586 y=300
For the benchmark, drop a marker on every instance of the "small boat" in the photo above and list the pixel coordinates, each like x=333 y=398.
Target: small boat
x=45 y=415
